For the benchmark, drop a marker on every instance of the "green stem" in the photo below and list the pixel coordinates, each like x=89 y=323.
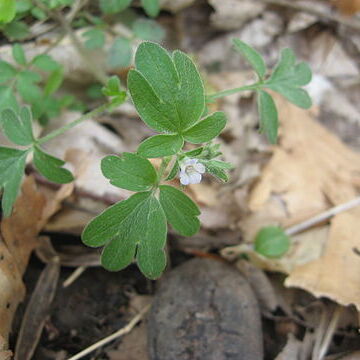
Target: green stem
x=233 y=91
x=69 y=126
x=164 y=163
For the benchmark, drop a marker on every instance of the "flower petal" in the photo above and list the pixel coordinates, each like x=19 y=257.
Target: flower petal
x=199 y=168
x=191 y=161
x=184 y=178
x=194 y=178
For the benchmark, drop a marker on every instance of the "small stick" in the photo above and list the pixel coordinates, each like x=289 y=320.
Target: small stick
x=323 y=216
x=330 y=332
x=74 y=275
x=320 y=333
x=115 y=335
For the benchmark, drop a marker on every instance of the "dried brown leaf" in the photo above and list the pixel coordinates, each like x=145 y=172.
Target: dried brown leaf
x=19 y=232
x=310 y=171
x=348 y=7
x=37 y=311
x=19 y=238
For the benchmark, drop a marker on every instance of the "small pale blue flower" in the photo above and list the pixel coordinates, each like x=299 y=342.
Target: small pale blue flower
x=191 y=171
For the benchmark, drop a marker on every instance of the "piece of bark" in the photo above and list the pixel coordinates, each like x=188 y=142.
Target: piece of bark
x=37 y=311
x=204 y=309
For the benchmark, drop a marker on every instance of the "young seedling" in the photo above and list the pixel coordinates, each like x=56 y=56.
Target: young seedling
x=168 y=93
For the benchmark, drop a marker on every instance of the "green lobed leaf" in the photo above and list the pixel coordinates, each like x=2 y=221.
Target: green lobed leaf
x=7 y=71
x=152 y=229
x=113 y=90
x=181 y=212
x=130 y=171
x=120 y=53
x=268 y=115
x=288 y=78
x=7 y=10
x=297 y=96
x=51 y=167
x=16 y=30
x=174 y=171
x=23 y=6
x=29 y=76
x=283 y=67
x=18 y=54
x=218 y=169
x=195 y=152
x=190 y=101
x=46 y=108
x=104 y=227
x=94 y=39
x=54 y=81
x=157 y=67
x=12 y=167
x=160 y=145
x=206 y=129
x=113 y=86
x=157 y=114
x=252 y=56
x=147 y=29
x=272 y=242
x=45 y=62
x=114 y=6
x=151 y=7
x=38 y=13
x=17 y=127
x=7 y=99
x=26 y=86
x=136 y=225
x=167 y=91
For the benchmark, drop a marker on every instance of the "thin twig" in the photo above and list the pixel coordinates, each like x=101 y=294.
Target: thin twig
x=117 y=334
x=330 y=332
x=309 y=8
x=323 y=216
x=74 y=275
x=320 y=333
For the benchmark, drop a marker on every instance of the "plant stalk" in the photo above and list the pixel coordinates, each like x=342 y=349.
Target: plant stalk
x=69 y=126
x=232 y=91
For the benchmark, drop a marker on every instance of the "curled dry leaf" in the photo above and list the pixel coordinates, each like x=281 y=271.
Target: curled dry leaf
x=37 y=311
x=336 y=273
x=310 y=171
x=19 y=238
x=19 y=233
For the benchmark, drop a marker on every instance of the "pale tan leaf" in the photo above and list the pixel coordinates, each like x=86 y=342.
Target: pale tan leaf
x=310 y=171
x=19 y=232
x=336 y=274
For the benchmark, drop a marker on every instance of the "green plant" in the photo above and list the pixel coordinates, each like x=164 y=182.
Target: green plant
x=169 y=95
x=272 y=242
